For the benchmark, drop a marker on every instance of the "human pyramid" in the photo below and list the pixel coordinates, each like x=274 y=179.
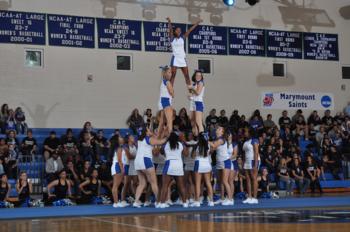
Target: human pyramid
x=162 y=158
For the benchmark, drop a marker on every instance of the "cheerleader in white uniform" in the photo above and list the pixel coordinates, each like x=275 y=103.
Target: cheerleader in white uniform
x=232 y=150
x=202 y=169
x=189 y=161
x=251 y=165
x=196 y=102
x=165 y=100
x=223 y=165
x=173 y=168
x=117 y=171
x=178 y=58
x=130 y=174
x=144 y=164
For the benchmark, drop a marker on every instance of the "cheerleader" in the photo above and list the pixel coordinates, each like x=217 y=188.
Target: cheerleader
x=24 y=188
x=178 y=59
x=130 y=174
x=91 y=188
x=251 y=165
x=202 y=169
x=173 y=168
x=223 y=165
x=117 y=171
x=189 y=160
x=196 y=102
x=5 y=189
x=232 y=149
x=165 y=99
x=61 y=188
x=144 y=164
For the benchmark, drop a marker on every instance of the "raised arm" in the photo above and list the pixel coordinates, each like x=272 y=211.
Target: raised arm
x=187 y=33
x=170 y=28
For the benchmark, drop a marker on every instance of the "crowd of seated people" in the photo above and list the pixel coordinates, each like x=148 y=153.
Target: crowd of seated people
x=79 y=166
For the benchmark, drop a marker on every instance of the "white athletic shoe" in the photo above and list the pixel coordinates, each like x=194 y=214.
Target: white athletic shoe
x=196 y=204
x=163 y=206
x=169 y=202
x=137 y=204
x=124 y=204
x=227 y=202
x=218 y=202
x=185 y=205
x=201 y=199
x=191 y=200
x=210 y=203
x=147 y=203
x=247 y=201
x=116 y=205
x=254 y=201
x=178 y=202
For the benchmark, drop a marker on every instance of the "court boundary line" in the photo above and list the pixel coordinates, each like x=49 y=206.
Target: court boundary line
x=124 y=224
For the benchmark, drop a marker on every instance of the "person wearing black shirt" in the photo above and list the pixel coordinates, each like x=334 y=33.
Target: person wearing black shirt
x=269 y=159
x=332 y=162
x=234 y=121
x=5 y=188
x=314 y=119
x=182 y=121
x=263 y=184
x=283 y=175
x=24 y=188
x=243 y=123
x=87 y=148
x=299 y=177
x=61 y=188
x=102 y=145
x=313 y=173
x=51 y=145
x=327 y=120
x=29 y=145
x=69 y=147
x=223 y=120
x=104 y=173
x=90 y=188
x=212 y=120
x=284 y=121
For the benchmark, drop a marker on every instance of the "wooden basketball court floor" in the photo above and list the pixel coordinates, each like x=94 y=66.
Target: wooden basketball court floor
x=273 y=220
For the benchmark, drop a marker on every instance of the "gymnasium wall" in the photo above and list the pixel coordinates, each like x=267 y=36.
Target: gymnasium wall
x=59 y=95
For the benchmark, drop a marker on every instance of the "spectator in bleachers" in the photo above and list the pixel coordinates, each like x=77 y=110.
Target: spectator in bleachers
x=314 y=119
x=51 y=145
x=212 y=120
x=243 y=123
x=87 y=148
x=21 y=125
x=4 y=148
x=297 y=115
x=135 y=121
x=53 y=166
x=268 y=158
x=182 y=121
x=264 y=184
x=256 y=124
x=5 y=189
x=298 y=175
x=72 y=173
x=284 y=121
x=327 y=120
x=87 y=128
x=11 y=121
x=85 y=172
x=283 y=175
x=69 y=147
x=91 y=188
x=269 y=123
x=223 y=120
x=313 y=173
x=147 y=118
x=104 y=173
x=4 y=114
x=29 y=145
x=60 y=188
x=2 y=161
x=234 y=121
x=102 y=145
x=24 y=188
x=331 y=162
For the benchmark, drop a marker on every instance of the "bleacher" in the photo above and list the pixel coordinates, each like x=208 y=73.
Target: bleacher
x=35 y=170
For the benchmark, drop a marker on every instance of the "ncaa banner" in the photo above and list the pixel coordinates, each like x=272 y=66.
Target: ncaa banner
x=293 y=100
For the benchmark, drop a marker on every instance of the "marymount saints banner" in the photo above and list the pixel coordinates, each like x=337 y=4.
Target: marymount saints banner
x=293 y=100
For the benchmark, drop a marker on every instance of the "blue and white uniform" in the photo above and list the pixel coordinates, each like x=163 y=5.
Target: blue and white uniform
x=222 y=157
x=196 y=102
x=202 y=164
x=189 y=160
x=234 y=161
x=248 y=148
x=115 y=168
x=129 y=165
x=178 y=58
x=143 y=158
x=173 y=165
x=165 y=98
x=159 y=161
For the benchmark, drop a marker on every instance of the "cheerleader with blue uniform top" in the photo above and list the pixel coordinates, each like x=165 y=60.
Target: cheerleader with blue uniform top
x=165 y=100
x=251 y=165
x=173 y=168
x=178 y=58
x=196 y=102
x=117 y=170
x=202 y=169
x=223 y=165
x=144 y=163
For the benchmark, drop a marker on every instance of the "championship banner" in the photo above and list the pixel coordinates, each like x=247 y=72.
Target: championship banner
x=293 y=100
